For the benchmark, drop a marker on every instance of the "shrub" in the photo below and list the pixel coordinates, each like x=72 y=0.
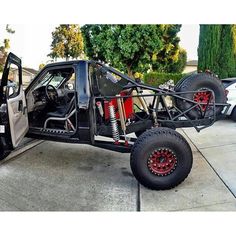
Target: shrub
x=156 y=79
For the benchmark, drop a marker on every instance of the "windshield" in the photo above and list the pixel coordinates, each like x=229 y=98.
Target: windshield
x=55 y=77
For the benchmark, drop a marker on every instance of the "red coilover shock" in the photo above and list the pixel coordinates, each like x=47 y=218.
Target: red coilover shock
x=114 y=125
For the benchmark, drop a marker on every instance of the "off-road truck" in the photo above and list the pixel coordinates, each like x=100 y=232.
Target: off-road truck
x=84 y=101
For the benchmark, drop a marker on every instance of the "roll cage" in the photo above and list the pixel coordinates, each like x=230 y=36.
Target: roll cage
x=170 y=116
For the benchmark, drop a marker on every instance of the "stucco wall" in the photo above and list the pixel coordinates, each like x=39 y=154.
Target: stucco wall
x=189 y=69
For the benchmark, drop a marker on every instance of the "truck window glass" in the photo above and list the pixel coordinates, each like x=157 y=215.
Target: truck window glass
x=13 y=81
x=107 y=83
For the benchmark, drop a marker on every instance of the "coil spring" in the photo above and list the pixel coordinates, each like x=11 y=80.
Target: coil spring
x=114 y=125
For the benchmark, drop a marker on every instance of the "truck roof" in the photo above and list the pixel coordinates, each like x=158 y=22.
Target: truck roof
x=62 y=63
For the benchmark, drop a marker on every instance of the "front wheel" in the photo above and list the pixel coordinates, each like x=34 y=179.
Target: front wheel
x=3 y=152
x=161 y=159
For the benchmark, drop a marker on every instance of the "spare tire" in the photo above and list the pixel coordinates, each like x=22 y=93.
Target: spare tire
x=180 y=82
x=204 y=84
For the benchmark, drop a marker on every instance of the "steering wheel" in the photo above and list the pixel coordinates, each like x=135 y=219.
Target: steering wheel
x=51 y=93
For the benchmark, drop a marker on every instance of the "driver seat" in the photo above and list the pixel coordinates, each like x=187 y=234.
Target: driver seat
x=62 y=111
x=63 y=115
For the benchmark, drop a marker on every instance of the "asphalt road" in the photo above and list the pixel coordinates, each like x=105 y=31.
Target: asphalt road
x=69 y=177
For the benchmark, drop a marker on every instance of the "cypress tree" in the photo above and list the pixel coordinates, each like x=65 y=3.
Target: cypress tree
x=209 y=48
x=227 y=61
x=217 y=49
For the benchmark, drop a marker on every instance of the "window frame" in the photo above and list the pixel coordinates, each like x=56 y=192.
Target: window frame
x=43 y=73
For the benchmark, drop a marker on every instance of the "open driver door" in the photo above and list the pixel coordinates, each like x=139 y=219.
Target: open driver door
x=14 y=118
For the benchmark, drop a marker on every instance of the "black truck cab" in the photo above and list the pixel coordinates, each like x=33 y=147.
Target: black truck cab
x=59 y=104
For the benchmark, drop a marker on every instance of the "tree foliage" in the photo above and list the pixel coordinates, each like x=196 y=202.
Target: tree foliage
x=41 y=66
x=217 y=49
x=227 y=60
x=4 y=48
x=209 y=47
x=67 y=42
x=132 y=48
x=177 y=66
x=171 y=58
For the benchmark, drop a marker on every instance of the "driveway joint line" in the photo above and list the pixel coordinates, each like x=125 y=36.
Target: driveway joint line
x=207 y=205
x=215 y=145
x=209 y=164
x=138 y=203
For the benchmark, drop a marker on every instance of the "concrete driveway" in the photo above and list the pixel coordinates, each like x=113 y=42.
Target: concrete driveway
x=68 y=177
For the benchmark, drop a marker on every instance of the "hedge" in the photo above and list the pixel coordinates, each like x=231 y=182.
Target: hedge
x=156 y=78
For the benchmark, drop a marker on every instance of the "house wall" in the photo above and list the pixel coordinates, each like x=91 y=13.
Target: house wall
x=189 y=69
x=26 y=77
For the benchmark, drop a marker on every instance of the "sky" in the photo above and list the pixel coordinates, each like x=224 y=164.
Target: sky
x=32 y=42
x=189 y=36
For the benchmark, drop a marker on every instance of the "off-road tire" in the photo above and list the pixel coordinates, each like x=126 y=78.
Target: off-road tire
x=3 y=152
x=138 y=133
x=197 y=82
x=180 y=82
x=156 y=139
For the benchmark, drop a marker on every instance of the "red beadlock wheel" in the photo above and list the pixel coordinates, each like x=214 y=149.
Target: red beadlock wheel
x=200 y=82
x=161 y=158
x=203 y=98
x=162 y=162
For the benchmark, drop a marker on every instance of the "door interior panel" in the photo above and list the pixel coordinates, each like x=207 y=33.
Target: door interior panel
x=18 y=118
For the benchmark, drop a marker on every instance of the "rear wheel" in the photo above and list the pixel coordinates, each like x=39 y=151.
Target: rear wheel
x=161 y=159
x=204 y=84
x=180 y=82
